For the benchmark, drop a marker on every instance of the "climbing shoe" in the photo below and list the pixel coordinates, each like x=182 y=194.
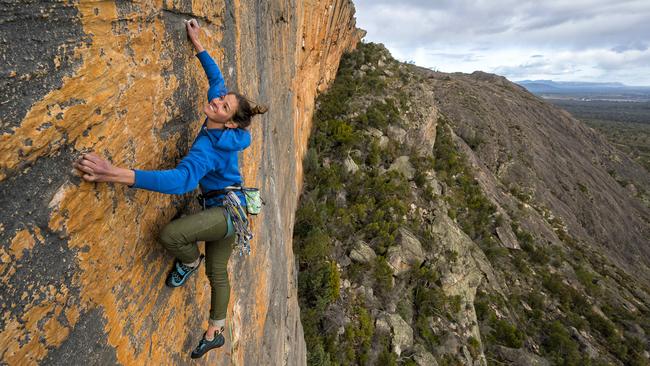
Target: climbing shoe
x=205 y=345
x=180 y=272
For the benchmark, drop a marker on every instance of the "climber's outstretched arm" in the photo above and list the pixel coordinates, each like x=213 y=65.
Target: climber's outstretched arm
x=212 y=71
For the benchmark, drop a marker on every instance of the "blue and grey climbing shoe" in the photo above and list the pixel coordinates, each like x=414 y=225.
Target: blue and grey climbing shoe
x=205 y=345
x=181 y=272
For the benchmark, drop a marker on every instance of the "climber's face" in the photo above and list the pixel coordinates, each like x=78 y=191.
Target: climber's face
x=221 y=109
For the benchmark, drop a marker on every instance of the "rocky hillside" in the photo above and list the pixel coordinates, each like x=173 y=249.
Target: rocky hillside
x=452 y=219
x=82 y=273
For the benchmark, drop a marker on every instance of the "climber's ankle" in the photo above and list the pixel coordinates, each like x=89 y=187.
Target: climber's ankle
x=193 y=264
x=214 y=326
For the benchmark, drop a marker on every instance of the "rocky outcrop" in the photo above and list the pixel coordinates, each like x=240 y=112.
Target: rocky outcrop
x=80 y=261
x=407 y=254
x=401 y=333
x=462 y=266
x=527 y=152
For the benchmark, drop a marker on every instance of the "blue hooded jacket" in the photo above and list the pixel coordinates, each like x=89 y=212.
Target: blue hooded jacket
x=212 y=161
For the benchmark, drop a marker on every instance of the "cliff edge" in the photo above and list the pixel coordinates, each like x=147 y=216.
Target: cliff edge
x=82 y=272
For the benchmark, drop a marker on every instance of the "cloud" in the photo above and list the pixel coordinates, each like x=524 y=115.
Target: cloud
x=591 y=38
x=634 y=45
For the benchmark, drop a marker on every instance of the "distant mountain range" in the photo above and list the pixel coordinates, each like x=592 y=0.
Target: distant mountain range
x=608 y=91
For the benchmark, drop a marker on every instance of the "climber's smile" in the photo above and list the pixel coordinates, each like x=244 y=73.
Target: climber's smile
x=221 y=109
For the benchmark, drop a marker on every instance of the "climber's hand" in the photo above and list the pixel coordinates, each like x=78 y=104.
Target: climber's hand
x=193 y=30
x=95 y=169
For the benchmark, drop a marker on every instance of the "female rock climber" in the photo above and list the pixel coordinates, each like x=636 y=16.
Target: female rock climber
x=212 y=164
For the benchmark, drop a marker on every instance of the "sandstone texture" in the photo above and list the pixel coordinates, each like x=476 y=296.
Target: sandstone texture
x=82 y=272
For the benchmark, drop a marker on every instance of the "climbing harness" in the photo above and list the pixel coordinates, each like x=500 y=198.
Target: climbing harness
x=252 y=196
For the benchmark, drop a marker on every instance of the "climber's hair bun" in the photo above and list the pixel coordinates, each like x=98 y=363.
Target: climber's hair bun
x=259 y=109
x=245 y=111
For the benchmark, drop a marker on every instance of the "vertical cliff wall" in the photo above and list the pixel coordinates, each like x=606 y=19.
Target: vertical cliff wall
x=82 y=272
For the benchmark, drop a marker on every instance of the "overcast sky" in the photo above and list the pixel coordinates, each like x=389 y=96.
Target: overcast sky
x=568 y=40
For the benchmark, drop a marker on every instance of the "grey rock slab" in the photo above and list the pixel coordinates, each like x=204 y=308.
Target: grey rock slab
x=507 y=237
x=422 y=357
x=374 y=132
x=406 y=254
x=404 y=166
x=397 y=134
x=520 y=357
x=411 y=247
x=402 y=333
x=382 y=326
x=383 y=141
x=585 y=345
x=350 y=166
x=362 y=253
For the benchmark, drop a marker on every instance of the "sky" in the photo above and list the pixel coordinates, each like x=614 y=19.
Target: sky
x=569 y=40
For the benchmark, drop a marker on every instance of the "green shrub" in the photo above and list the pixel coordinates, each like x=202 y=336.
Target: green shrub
x=507 y=334
x=560 y=347
x=383 y=277
x=482 y=309
x=474 y=346
x=355 y=345
x=314 y=247
x=587 y=279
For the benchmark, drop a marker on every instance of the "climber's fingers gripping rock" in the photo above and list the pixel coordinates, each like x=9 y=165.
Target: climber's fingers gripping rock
x=193 y=29
x=95 y=169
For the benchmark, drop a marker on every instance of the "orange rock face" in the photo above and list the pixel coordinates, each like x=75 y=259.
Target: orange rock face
x=82 y=271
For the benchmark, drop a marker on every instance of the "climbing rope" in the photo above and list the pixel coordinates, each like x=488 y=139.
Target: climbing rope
x=240 y=222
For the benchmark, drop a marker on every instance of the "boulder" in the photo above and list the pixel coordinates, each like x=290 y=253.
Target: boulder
x=507 y=237
x=396 y=133
x=350 y=166
x=406 y=254
x=396 y=262
x=449 y=344
x=404 y=166
x=585 y=345
x=402 y=334
x=362 y=253
x=382 y=326
x=422 y=357
x=374 y=132
x=383 y=142
x=411 y=246
x=344 y=261
x=432 y=182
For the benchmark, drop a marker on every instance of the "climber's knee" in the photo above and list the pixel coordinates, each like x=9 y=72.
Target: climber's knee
x=218 y=276
x=170 y=238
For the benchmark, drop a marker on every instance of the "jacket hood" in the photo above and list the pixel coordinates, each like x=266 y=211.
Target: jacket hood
x=231 y=139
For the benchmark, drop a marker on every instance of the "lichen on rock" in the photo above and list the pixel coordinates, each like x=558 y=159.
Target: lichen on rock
x=121 y=79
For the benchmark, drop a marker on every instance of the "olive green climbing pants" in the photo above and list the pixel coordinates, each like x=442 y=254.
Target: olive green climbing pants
x=179 y=237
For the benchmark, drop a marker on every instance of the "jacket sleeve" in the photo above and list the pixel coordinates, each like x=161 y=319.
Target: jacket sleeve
x=215 y=78
x=184 y=178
